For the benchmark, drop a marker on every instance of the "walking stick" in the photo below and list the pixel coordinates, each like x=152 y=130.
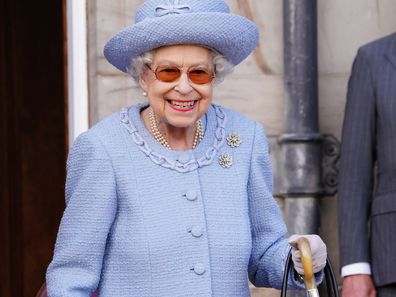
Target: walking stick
x=309 y=278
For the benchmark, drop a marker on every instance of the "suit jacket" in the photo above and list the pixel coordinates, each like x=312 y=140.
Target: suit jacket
x=145 y=221
x=367 y=187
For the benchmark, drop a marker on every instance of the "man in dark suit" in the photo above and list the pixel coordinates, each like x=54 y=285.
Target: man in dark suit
x=367 y=188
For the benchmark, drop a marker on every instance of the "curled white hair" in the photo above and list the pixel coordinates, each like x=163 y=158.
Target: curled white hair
x=139 y=64
x=222 y=66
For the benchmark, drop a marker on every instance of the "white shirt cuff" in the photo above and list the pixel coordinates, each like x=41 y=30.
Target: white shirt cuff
x=356 y=268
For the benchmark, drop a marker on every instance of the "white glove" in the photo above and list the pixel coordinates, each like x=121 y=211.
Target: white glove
x=318 y=250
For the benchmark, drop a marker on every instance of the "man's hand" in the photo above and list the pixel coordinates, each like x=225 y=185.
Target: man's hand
x=359 y=285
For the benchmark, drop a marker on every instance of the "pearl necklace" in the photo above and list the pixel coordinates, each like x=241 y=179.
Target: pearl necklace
x=162 y=140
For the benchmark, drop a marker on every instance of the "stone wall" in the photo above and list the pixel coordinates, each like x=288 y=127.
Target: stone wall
x=256 y=86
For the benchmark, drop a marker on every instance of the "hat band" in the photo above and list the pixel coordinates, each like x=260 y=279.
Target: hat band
x=170 y=8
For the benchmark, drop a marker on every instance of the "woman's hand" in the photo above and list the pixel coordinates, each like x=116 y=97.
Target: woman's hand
x=318 y=250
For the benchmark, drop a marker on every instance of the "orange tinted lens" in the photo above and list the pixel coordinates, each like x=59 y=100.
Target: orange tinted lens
x=200 y=76
x=167 y=73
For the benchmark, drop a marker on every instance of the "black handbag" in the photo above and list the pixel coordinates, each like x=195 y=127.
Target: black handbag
x=331 y=281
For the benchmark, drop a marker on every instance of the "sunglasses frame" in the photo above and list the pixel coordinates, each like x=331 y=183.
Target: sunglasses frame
x=180 y=73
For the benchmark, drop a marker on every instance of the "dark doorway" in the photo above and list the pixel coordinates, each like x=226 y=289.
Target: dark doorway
x=33 y=140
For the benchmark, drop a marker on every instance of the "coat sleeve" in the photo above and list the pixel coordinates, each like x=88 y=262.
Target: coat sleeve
x=357 y=162
x=89 y=214
x=269 y=245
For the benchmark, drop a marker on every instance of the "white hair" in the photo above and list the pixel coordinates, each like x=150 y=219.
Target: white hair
x=139 y=64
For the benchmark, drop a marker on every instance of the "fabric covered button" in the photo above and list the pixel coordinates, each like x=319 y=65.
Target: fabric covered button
x=191 y=195
x=183 y=158
x=199 y=268
x=196 y=231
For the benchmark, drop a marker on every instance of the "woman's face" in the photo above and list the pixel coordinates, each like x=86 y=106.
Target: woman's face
x=179 y=103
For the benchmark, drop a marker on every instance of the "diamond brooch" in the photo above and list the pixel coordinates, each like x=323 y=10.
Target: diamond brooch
x=225 y=160
x=234 y=140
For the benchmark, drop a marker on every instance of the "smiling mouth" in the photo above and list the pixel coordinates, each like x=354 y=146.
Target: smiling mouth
x=182 y=105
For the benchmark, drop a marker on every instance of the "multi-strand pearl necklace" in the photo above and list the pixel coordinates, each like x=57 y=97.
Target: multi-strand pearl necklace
x=162 y=140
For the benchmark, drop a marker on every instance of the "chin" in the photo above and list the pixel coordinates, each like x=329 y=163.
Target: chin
x=182 y=124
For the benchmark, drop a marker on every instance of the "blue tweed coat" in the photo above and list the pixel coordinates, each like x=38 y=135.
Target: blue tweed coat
x=145 y=221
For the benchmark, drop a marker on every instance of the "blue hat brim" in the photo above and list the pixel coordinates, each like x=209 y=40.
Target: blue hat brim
x=232 y=35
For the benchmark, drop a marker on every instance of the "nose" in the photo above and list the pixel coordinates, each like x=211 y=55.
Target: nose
x=183 y=85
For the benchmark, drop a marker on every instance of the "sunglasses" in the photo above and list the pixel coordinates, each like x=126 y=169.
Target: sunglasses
x=196 y=75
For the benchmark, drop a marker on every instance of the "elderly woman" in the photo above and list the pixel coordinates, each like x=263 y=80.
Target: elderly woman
x=172 y=197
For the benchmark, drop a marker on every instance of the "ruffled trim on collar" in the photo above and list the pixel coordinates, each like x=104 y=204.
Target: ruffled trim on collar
x=171 y=163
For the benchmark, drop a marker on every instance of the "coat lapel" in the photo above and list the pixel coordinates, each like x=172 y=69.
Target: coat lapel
x=392 y=58
x=391 y=53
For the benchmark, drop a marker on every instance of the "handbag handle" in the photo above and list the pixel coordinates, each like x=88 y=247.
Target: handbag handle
x=331 y=281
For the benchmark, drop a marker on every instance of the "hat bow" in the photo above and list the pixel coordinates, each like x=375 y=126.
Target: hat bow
x=170 y=8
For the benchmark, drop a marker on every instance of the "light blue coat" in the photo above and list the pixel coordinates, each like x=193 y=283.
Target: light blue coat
x=144 y=221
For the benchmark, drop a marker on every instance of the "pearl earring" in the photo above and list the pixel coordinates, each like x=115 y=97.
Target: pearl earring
x=144 y=93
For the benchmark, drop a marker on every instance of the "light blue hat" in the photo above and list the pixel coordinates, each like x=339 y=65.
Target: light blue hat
x=208 y=23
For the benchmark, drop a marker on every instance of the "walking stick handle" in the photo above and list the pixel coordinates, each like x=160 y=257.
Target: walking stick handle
x=306 y=260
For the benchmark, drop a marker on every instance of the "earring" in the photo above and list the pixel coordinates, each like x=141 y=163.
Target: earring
x=144 y=93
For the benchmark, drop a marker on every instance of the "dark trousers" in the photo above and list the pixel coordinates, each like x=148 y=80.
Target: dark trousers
x=387 y=291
